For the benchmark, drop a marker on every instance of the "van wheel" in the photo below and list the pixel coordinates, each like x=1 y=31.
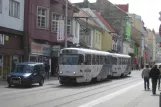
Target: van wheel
x=41 y=83
x=61 y=82
x=9 y=85
x=122 y=75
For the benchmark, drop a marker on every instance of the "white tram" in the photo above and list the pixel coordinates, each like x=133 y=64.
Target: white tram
x=121 y=65
x=84 y=65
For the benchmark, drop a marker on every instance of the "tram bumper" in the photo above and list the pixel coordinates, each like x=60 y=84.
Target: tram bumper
x=69 y=79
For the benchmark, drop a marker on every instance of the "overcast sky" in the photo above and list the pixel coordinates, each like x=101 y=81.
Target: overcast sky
x=148 y=9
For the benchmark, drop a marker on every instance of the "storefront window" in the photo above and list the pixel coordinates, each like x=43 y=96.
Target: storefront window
x=33 y=58
x=15 y=60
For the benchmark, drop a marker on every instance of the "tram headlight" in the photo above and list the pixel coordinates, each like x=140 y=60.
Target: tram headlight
x=60 y=72
x=74 y=73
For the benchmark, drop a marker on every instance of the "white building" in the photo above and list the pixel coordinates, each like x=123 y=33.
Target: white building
x=11 y=35
x=12 y=14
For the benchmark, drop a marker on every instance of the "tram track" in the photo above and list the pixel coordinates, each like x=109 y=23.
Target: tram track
x=58 y=88
x=82 y=92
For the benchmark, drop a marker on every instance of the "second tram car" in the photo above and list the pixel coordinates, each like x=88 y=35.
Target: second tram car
x=121 y=65
x=84 y=65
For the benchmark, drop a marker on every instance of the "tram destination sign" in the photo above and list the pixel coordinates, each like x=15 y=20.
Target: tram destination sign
x=70 y=52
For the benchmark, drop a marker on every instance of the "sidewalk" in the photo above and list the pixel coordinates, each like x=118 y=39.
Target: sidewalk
x=136 y=97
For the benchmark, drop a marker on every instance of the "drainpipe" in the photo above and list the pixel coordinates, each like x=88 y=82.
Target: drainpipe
x=66 y=19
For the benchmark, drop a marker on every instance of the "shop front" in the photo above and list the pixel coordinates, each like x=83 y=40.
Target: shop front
x=10 y=54
x=40 y=52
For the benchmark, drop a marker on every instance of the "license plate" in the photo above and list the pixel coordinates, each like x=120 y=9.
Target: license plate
x=15 y=82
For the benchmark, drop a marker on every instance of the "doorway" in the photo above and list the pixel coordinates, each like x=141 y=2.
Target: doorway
x=6 y=66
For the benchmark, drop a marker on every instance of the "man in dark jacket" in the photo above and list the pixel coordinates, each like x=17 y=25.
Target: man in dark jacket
x=47 y=68
x=154 y=74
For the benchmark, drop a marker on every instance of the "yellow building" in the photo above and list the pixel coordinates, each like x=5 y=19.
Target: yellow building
x=106 y=41
x=97 y=39
x=137 y=22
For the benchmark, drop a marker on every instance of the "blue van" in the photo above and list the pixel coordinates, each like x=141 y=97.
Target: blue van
x=27 y=73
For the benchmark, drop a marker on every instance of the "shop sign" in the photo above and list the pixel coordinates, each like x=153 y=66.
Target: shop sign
x=56 y=48
x=40 y=49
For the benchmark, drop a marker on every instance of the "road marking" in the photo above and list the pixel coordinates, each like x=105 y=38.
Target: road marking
x=109 y=96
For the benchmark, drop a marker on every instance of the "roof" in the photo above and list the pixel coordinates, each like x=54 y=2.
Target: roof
x=104 y=22
x=82 y=13
x=94 y=17
x=123 y=7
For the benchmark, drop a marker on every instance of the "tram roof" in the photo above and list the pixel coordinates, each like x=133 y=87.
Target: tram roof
x=120 y=55
x=90 y=51
x=98 y=52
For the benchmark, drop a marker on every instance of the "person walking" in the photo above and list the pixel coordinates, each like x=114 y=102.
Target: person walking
x=47 y=68
x=145 y=75
x=159 y=77
x=154 y=74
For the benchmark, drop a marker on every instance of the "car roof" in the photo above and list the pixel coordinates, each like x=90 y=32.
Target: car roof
x=30 y=63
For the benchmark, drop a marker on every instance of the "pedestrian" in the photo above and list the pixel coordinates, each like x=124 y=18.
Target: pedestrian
x=159 y=77
x=145 y=75
x=154 y=74
x=137 y=67
x=47 y=68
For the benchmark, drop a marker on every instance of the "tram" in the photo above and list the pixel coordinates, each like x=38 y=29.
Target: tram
x=80 y=65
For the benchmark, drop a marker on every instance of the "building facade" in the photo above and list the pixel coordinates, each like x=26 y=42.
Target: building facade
x=44 y=30
x=151 y=46
x=11 y=32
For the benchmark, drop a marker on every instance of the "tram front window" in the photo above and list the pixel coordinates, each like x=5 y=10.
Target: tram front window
x=69 y=60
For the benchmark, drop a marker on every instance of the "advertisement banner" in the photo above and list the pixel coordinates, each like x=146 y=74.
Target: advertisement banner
x=128 y=30
x=40 y=49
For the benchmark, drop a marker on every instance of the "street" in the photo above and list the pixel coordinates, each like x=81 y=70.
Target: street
x=52 y=94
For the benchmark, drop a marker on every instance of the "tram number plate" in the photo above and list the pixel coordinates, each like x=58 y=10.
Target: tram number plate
x=67 y=71
x=15 y=82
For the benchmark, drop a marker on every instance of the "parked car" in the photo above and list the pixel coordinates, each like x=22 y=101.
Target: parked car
x=27 y=73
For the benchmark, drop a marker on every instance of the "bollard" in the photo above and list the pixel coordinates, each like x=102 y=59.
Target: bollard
x=160 y=100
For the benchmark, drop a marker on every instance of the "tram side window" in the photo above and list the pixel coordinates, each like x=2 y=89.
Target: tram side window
x=93 y=60
x=81 y=59
x=101 y=60
x=88 y=60
x=119 y=61
x=122 y=61
x=97 y=60
x=114 y=60
x=109 y=60
x=104 y=57
x=125 y=61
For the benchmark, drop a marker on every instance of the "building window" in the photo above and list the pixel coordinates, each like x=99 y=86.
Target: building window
x=99 y=39
x=55 y=18
x=0 y=6
x=14 y=8
x=42 y=17
x=69 y=25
